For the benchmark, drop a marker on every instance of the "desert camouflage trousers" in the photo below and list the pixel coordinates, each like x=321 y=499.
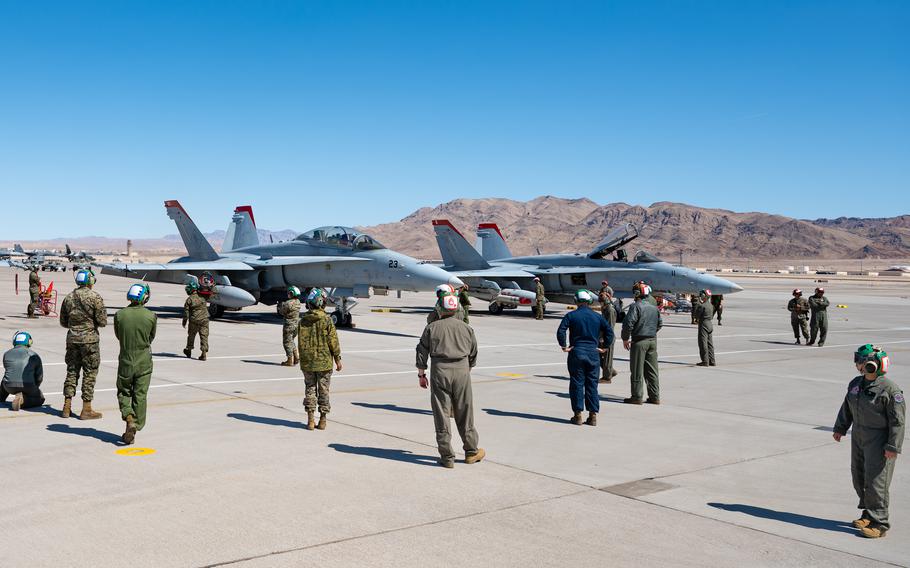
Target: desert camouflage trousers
x=317 y=390
x=289 y=335
x=84 y=357
x=203 y=330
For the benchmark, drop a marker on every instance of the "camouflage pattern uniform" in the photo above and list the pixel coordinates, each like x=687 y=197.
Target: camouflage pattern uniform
x=290 y=311
x=34 y=289
x=799 y=313
x=82 y=313
x=540 y=301
x=464 y=302
x=818 y=321
x=319 y=349
x=196 y=312
x=608 y=310
x=877 y=412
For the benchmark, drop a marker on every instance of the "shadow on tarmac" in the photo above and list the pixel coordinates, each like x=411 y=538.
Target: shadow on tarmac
x=386 y=454
x=603 y=398
x=106 y=437
x=266 y=420
x=377 y=332
x=394 y=408
x=792 y=518
x=526 y=416
x=269 y=363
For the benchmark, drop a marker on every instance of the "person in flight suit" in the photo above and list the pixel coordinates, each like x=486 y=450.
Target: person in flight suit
x=34 y=289
x=818 y=321
x=290 y=311
x=540 y=299
x=588 y=330
x=196 y=313
x=22 y=374
x=450 y=347
x=799 y=312
x=704 y=313
x=134 y=327
x=875 y=407
x=82 y=313
x=319 y=348
x=608 y=311
x=639 y=336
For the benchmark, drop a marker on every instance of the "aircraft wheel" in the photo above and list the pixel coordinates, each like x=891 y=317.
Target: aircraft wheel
x=495 y=308
x=215 y=311
x=336 y=318
x=348 y=320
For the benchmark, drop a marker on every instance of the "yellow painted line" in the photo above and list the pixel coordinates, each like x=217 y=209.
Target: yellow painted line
x=386 y=310
x=134 y=452
x=510 y=375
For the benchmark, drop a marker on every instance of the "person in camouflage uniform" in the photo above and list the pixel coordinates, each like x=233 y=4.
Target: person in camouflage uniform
x=290 y=311
x=608 y=311
x=875 y=407
x=196 y=313
x=436 y=313
x=818 y=321
x=82 y=312
x=799 y=313
x=540 y=299
x=449 y=345
x=318 y=345
x=34 y=289
x=464 y=302
x=135 y=327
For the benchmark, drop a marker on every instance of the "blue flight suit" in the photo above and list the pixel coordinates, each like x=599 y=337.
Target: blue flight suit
x=586 y=328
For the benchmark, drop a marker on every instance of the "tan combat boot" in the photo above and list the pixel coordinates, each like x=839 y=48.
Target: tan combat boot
x=130 y=435
x=873 y=531
x=861 y=523
x=67 y=407
x=321 y=425
x=592 y=419
x=202 y=357
x=576 y=419
x=18 y=401
x=474 y=458
x=289 y=362
x=296 y=357
x=310 y=421
x=87 y=412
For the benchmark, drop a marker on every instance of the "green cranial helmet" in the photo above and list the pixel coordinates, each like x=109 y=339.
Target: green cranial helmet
x=316 y=298
x=293 y=292
x=873 y=358
x=191 y=286
x=583 y=296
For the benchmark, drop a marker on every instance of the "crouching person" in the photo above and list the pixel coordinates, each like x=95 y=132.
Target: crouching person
x=22 y=374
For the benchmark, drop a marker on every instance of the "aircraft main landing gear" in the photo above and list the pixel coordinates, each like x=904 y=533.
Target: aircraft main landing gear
x=215 y=311
x=495 y=308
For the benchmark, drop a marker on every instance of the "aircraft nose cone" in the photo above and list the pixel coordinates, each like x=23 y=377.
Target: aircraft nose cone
x=719 y=285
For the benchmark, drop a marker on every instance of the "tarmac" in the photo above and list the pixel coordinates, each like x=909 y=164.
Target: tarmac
x=737 y=467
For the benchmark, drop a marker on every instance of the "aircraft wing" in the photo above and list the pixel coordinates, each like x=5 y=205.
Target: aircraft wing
x=288 y=260
x=493 y=272
x=585 y=270
x=218 y=266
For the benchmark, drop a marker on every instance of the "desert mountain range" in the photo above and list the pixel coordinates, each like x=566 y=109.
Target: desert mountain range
x=552 y=224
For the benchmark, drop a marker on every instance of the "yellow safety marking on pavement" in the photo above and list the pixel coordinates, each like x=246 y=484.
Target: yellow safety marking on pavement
x=842 y=305
x=511 y=375
x=386 y=310
x=134 y=451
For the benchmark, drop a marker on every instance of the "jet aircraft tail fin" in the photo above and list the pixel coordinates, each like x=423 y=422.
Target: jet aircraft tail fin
x=242 y=230
x=456 y=252
x=492 y=244
x=196 y=245
x=69 y=251
x=18 y=248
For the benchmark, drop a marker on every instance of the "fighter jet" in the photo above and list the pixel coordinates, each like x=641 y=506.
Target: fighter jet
x=344 y=260
x=506 y=281
x=81 y=257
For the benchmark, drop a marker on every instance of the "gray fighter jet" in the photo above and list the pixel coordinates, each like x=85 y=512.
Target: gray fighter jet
x=80 y=258
x=341 y=259
x=507 y=281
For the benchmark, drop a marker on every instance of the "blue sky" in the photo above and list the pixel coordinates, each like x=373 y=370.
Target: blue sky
x=351 y=112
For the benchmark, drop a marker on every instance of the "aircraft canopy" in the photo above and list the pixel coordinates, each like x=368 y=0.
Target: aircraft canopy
x=340 y=237
x=645 y=256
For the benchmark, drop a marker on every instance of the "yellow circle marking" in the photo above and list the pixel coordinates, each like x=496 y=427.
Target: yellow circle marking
x=842 y=305
x=510 y=375
x=134 y=451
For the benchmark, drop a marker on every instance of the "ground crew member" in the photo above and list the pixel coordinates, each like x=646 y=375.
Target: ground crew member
x=799 y=312
x=608 y=311
x=135 y=327
x=540 y=299
x=34 y=289
x=875 y=407
x=318 y=346
x=704 y=313
x=449 y=345
x=639 y=336
x=588 y=331
x=196 y=313
x=442 y=291
x=717 y=301
x=818 y=321
x=464 y=302
x=290 y=311
x=22 y=374
x=82 y=312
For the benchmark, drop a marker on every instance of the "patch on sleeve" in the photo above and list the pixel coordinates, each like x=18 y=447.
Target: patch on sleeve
x=854 y=390
x=899 y=397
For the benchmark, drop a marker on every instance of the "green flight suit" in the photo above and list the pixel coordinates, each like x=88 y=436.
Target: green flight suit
x=34 y=289
x=290 y=311
x=640 y=325
x=799 y=313
x=717 y=300
x=876 y=410
x=449 y=345
x=464 y=302
x=608 y=310
x=704 y=314
x=540 y=301
x=82 y=312
x=196 y=314
x=319 y=349
x=134 y=327
x=818 y=321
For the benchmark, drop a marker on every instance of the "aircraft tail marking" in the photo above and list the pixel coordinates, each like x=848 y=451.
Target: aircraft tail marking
x=456 y=252
x=241 y=232
x=492 y=244
x=196 y=245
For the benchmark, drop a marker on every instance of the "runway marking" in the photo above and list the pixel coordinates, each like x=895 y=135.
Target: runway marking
x=511 y=375
x=134 y=451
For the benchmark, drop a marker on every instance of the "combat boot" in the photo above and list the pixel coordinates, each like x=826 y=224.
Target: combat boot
x=796 y=342
x=321 y=425
x=310 y=421
x=873 y=531
x=475 y=457
x=296 y=356
x=810 y=343
x=576 y=419
x=652 y=401
x=129 y=436
x=862 y=522
x=67 y=407
x=18 y=401
x=202 y=356
x=188 y=353
x=605 y=380
x=87 y=412
x=289 y=362
x=592 y=419
x=632 y=400
x=821 y=343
